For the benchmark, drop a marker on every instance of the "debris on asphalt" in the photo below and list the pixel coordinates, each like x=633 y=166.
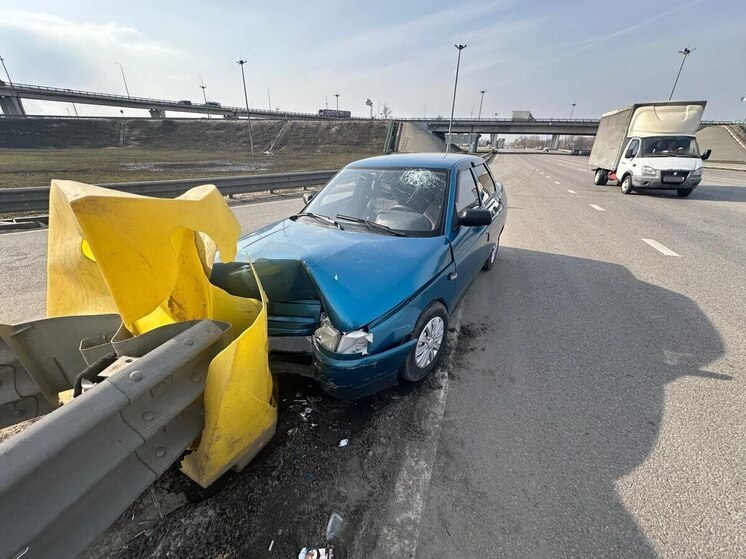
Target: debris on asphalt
x=316 y=553
x=271 y=545
x=292 y=431
x=334 y=526
x=343 y=442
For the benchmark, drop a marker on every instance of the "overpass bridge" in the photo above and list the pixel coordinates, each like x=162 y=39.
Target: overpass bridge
x=11 y=96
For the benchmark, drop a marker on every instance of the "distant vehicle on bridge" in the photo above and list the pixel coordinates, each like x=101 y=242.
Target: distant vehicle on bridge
x=185 y=102
x=650 y=145
x=212 y=104
x=334 y=113
x=522 y=115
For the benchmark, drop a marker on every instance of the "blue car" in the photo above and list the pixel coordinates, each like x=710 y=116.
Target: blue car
x=361 y=282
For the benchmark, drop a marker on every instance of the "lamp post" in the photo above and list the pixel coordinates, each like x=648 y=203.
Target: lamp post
x=337 y=96
x=479 y=114
x=572 y=110
x=202 y=86
x=241 y=62
x=453 y=102
x=127 y=89
x=686 y=52
x=742 y=100
x=2 y=60
x=269 y=100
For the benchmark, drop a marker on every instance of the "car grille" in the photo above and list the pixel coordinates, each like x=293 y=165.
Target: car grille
x=674 y=176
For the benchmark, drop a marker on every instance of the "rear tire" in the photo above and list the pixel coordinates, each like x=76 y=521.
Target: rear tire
x=684 y=192
x=627 y=184
x=601 y=177
x=490 y=262
x=431 y=332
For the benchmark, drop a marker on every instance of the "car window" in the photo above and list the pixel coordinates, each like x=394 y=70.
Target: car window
x=634 y=147
x=467 y=195
x=484 y=179
x=409 y=200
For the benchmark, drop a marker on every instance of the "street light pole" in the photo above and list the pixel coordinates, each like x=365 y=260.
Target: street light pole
x=246 y=98
x=269 y=100
x=124 y=79
x=453 y=103
x=686 y=52
x=479 y=115
x=202 y=86
x=337 y=96
x=572 y=110
x=2 y=60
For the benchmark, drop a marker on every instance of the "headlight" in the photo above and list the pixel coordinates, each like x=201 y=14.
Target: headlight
x=327 y=335
x=350 y=343
x=697 y=172
x=648 y=171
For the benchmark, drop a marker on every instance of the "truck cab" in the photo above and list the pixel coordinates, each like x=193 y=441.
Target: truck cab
x=661 y=162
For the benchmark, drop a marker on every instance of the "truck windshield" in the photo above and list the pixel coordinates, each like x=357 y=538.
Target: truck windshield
x=670 y=146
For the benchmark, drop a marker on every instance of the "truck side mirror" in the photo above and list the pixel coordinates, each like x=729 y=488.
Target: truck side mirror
x=629 y=154
x=706 y=155
x=308 y=196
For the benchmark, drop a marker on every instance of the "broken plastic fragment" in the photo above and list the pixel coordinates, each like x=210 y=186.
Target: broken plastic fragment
x=343 y=442
x=334 y=526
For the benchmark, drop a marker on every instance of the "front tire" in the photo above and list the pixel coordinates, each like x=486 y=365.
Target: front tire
x=601 y=177
x=627 y=184
x=431 y=335
x=684 y=192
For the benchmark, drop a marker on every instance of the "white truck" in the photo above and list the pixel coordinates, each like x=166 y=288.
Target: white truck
x=650 y=145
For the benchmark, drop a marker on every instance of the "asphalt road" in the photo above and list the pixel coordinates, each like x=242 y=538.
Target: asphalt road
x=597 y=405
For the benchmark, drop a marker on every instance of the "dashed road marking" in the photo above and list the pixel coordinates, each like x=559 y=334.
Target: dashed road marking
x=597 y=208
x=660 y=248
x=571 y=191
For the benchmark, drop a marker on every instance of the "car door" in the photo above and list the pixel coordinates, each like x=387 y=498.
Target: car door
x=627 y=162
x=492 y=195
x=467 y=243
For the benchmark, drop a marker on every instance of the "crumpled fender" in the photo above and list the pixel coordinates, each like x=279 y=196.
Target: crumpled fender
x=149 y=260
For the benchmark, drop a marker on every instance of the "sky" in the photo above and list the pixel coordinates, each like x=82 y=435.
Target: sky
x=533 y=55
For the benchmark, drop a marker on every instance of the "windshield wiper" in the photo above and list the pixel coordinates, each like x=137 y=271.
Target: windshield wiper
x=371 y=225
x=318 y=217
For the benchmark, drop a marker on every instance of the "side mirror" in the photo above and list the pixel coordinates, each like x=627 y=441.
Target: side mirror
x=629 y=154
x=308 y=196
x=475 y=217
x=706 y=155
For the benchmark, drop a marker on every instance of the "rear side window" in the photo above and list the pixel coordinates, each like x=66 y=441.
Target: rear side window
x=484 y=179
x=467 y=195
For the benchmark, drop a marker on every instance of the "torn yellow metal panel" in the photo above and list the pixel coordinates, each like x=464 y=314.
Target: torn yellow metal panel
x=149 y=260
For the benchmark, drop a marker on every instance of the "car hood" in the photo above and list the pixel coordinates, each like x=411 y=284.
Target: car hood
x=359 y=275
x=673 y=163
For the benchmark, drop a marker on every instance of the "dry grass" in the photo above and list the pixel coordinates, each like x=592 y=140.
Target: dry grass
x=36 y=167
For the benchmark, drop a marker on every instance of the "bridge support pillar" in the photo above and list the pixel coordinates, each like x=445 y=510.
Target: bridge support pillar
x=157 y=113
x=555 y=142
x=12 y=106
x=473 y=142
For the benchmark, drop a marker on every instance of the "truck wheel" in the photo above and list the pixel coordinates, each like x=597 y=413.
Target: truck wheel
x=431 y=332
x=601 y=177
x=627 y=184
x=684 y=192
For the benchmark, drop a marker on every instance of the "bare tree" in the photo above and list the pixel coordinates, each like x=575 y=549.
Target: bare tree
x=386 y=111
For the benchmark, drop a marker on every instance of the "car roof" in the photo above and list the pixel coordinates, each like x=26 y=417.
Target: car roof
x=423 y=160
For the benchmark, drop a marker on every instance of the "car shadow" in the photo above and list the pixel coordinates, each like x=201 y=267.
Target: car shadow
x=559 y=394
x=707 y=192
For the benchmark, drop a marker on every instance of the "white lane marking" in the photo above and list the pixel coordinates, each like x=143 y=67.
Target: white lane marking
x=571 y=191
x=556 y=182
x=660 y=248
x=547 y=176
x=597 y=208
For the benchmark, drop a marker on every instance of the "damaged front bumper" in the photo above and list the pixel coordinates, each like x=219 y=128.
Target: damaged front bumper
x=355 y=376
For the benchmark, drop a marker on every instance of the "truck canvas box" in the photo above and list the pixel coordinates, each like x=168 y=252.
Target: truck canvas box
x=650 y=146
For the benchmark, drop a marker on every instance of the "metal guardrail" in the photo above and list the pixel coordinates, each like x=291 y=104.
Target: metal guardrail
x=59 y=490
x=36 y=198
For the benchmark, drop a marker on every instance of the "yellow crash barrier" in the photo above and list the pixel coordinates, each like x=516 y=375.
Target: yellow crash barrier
x=149 y=259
